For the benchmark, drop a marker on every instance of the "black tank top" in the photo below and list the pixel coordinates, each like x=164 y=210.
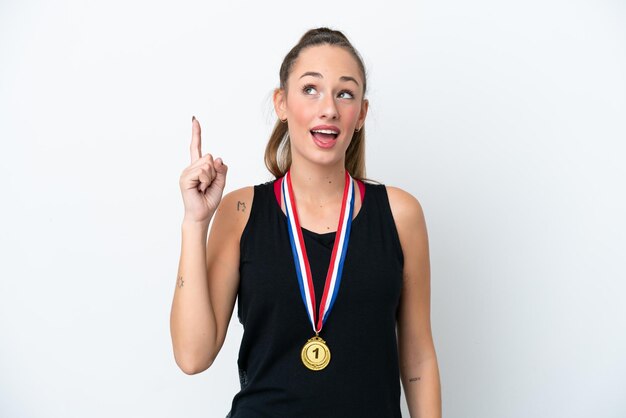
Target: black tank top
x=362 y=379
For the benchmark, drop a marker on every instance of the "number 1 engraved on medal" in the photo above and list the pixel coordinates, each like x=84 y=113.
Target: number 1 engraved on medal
x=315 y=354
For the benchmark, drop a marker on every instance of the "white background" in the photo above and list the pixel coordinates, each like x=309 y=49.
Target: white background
x=505 y=119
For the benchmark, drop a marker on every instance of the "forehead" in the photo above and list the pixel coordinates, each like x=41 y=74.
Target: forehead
x=328 y=60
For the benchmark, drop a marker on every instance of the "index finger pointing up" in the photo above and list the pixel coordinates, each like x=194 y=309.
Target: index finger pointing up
x=196 y=143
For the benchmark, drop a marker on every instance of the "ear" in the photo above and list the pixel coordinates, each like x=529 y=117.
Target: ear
x=280 y=103
x=362 y=114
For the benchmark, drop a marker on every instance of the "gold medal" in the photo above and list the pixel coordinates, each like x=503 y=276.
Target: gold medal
x=315 y=354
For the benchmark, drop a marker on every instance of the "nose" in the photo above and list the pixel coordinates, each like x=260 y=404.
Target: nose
x=328 y=107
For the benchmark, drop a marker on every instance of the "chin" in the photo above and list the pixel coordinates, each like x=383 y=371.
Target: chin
x=323 y=156
x=326 y=160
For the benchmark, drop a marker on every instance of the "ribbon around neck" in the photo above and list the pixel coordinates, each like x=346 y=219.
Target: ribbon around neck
x=337 y=258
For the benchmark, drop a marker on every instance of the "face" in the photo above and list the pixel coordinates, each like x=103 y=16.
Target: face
x=323 y=104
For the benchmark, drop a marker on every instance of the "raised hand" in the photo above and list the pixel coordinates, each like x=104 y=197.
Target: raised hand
x=202 y=183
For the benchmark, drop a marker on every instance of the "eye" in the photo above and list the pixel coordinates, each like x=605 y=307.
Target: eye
x=346 y=94
x=309 y=89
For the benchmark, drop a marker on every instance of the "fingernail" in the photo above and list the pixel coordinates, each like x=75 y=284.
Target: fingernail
x=193 y=118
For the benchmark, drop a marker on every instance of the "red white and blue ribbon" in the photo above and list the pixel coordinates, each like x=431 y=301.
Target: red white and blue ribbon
x=337 y=258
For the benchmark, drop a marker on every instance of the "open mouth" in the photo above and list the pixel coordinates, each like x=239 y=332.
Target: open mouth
x=324 y=135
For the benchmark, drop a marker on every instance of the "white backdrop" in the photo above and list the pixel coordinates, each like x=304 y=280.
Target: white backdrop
x=507 y=120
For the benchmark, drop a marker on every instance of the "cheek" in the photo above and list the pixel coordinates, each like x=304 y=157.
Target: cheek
x=351 y=113
x=301 y=112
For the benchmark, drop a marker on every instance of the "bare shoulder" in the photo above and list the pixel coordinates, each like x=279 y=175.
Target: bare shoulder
x=409 y=219
x=239 y=200
x=406 y=209
x=233 y=211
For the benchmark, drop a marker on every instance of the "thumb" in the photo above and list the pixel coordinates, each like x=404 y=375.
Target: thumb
x=221 y=170
x=220 y=167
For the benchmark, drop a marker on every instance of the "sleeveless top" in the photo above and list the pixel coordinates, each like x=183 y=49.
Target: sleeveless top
x=362 y=379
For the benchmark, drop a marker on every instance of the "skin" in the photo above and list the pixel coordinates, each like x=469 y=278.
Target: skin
x=324 y=88
x=206 y=288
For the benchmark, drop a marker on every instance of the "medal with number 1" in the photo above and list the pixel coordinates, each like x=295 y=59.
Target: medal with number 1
x=315 y=354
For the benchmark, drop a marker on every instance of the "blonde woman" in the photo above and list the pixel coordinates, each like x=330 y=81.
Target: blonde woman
x=325 y=267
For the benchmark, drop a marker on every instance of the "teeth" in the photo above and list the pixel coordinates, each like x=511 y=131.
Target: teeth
x=325 y=131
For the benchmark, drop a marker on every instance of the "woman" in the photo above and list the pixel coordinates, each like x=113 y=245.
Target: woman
x=324 y=265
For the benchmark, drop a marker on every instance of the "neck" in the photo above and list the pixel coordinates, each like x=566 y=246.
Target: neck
x=313 y=183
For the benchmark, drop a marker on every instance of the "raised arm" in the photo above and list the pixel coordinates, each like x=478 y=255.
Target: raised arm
x=418 y=360
x=208 y=271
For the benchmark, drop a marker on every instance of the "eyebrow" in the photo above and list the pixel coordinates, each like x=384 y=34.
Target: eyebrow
x=318 y=75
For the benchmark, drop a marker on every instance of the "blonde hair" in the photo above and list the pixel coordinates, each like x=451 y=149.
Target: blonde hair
x=278 y=149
